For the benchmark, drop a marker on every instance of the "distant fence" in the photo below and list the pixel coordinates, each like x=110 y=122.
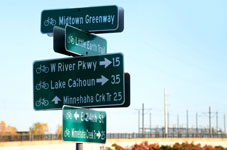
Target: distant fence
x=28 y=137
x=158 y=135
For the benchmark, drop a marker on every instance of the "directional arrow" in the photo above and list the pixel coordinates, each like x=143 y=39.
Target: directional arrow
x=105 y=63
x=98 y=135
x=76 y=115
x=56 y=100
x=102 y=80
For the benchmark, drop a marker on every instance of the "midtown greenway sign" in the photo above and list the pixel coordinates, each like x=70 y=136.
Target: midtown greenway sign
x=84 y=81
x=91 y=19
x=83 y=125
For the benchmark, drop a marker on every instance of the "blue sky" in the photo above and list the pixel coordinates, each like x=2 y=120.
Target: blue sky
x=178 y=45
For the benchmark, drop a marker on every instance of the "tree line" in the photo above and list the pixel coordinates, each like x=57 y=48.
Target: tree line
x=37 y=128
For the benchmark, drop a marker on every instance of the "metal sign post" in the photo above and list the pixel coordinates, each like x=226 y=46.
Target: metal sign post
x=79 y=146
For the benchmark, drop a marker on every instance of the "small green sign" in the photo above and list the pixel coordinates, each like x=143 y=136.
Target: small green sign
x=83 y=43
x=93 y=81
x=91 y=19
x=83 y=125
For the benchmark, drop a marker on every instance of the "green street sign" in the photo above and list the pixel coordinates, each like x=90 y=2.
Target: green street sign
x=91 y=19
x=75 y=42
x=83 y=125
x=94 y=81
x=83 y=43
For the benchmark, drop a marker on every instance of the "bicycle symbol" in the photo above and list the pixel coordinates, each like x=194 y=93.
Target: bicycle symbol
x=68 y=115
x=50 y=21
x=67 y=133
x=70 y=39
x=41 y=101
x=42 y=68
x=43 y=85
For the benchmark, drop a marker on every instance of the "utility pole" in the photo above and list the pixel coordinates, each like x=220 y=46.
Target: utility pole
x=138 y=121
x=217 y=121
x=187 y=120
x=224 y=125
x=210 y=127
x=143 y=131
x=196 y=123
x=165 y=113
x=178 y=123
x=168 y=120
x=150 y=122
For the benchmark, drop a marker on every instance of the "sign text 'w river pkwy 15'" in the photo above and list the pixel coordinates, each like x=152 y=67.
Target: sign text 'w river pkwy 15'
x=100 y=19
x=84 y=81
x=83 y=125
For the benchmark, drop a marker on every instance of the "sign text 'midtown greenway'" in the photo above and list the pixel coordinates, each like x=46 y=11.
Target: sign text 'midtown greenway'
x=91 y=19
x=83 y=81
x=87 y=19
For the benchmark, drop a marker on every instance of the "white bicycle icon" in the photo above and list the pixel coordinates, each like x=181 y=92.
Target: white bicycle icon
x=68 y=115
x=42 y=102
x=42 y=68
x=67 y=133
x=70 y=39
x=50 y=21
x=42 y=85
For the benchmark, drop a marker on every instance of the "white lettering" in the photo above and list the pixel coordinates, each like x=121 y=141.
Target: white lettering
x=65 y=20
x=82 y=65
x=57 y=84
x=99 y=19
x=67 y=100
x=52 y=67
x=66 y=67
x=81 y=83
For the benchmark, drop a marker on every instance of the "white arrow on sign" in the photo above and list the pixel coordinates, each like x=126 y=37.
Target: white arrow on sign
x=102 y=80
x=76 y=115
x=98 y=135
x=105 y=63
x=56 y=100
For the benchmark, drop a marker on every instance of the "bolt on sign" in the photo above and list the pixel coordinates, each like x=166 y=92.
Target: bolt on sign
x=100 y=19
x=94 y=81
x=83 y=125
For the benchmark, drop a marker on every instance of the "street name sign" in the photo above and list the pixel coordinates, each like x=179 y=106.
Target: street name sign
x=91 y=81
x=77 y=42
x=83 y=125
x=100 y=19
x=83 y=43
